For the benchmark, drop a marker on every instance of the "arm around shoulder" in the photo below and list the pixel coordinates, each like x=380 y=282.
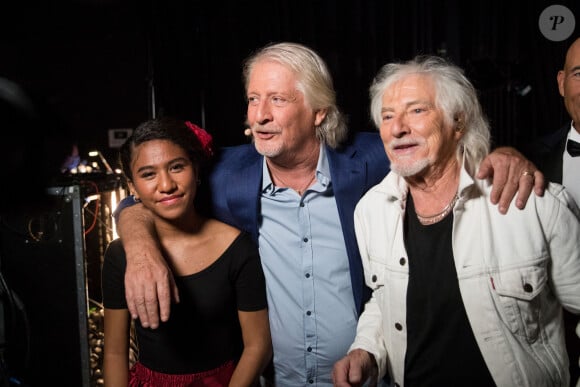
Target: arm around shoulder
x=512 y=174
x=149 y=282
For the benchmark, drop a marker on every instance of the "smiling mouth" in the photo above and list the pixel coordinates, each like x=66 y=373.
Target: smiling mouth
x=404 y=146
x=403 y=150
x=170 y=199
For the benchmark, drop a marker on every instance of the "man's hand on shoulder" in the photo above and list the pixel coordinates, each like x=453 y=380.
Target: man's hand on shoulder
x=511 y=173
x=147 y=289
x=149 y=282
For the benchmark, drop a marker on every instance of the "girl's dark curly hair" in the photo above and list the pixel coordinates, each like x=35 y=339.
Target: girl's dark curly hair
x=165 y=128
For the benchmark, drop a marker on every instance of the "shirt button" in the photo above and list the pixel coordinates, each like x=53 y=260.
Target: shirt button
x=309 y=349
x=307 y=275
x=305 y=240
x=311 y=381
x=308 y=313
x=402 y=261
x=398 y=327
x=301 y=204
x=528 y=288
x=374 y=278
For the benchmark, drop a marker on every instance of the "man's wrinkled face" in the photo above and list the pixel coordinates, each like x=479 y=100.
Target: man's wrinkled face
x=414 y=132
x=278 y=114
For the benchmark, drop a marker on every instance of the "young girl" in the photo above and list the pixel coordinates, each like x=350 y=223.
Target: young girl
x=218 y=334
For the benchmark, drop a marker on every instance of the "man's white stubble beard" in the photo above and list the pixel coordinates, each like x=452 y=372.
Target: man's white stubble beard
x=268 y=151
x=407 y=170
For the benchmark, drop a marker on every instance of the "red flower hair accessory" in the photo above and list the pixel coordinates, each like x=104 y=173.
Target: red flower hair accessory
x=204 y=138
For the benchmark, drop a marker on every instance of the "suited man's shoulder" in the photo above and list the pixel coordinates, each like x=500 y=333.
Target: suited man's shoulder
x=548 y=142
x=227 y=152
x=232 y=160
x=366 y=150
x=362 y=141
x=546 y=152
x=367 y=138
x=370 y=145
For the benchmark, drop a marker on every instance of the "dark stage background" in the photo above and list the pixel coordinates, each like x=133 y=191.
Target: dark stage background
x=107 y=64
x=111 y=64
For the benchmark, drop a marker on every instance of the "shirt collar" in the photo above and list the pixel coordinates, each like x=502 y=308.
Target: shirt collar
x=573 y=133
x=322 y=171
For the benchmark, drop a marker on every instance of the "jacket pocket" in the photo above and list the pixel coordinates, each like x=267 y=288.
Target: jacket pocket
x=375 y=276
x=518 y=298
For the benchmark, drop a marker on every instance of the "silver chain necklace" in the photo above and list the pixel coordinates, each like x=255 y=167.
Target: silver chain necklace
x=427 y=220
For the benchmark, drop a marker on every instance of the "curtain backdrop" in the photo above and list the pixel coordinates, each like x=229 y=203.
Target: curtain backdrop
x=113 y=63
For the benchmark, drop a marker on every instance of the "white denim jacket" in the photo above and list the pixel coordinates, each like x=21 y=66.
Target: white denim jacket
x=515 y=273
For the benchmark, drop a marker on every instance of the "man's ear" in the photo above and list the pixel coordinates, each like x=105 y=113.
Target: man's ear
x=459 y=124
x=320 y=116
x=560 y=79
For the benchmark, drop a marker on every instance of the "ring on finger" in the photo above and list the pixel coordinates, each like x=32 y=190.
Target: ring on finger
x=528 y=173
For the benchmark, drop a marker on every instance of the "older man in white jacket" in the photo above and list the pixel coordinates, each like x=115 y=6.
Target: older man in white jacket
x=462 y=295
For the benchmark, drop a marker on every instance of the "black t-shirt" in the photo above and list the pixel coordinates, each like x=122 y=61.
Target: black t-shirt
x=441 y=347
x=203 y=330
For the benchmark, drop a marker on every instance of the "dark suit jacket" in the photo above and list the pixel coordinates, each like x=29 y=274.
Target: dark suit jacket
x=547 y=153
x=236 y=182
